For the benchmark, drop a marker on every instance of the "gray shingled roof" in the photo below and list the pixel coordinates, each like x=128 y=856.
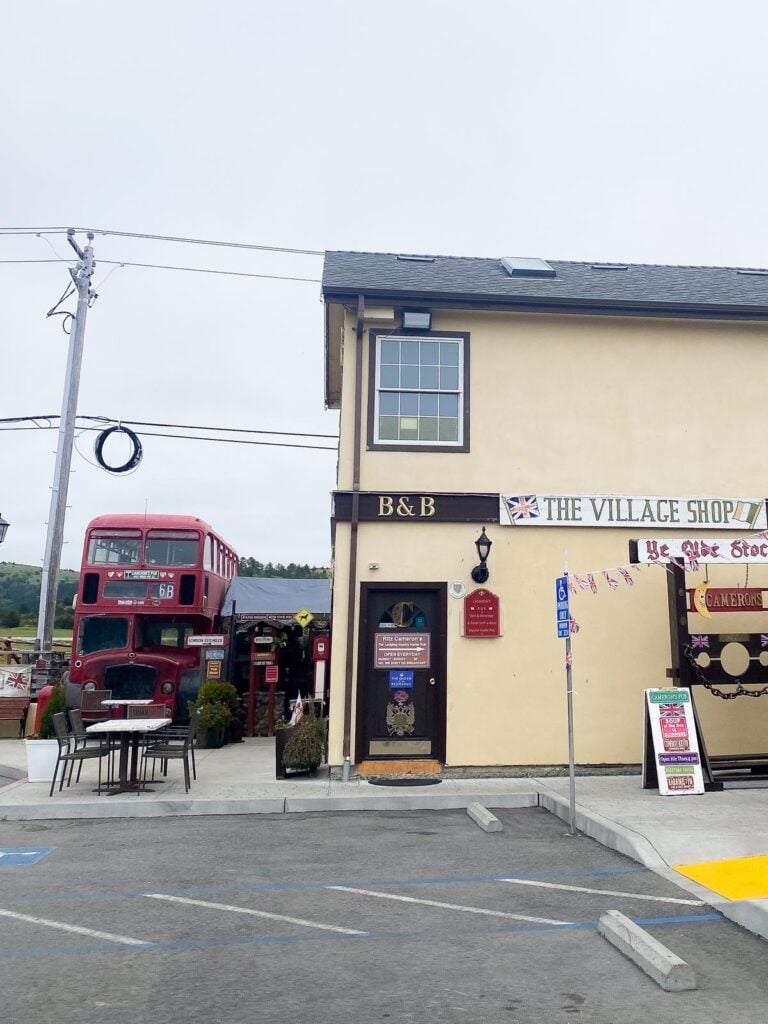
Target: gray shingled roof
x=714 y=291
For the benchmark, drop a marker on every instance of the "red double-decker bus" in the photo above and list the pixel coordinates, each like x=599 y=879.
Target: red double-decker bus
x=147 y=583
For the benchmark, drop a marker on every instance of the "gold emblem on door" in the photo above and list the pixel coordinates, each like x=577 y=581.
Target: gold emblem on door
x=401 y=719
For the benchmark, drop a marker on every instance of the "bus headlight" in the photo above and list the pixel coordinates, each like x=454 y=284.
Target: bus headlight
x=166 y=688
x=90 y=685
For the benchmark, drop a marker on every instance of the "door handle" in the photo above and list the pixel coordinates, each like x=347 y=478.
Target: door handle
x=431 y=680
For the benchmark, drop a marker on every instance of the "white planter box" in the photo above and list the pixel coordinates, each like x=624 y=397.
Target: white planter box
x=41 y=759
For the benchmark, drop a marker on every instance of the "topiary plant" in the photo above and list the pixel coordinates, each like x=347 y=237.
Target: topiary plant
x=218 y=693
x=57 y=702
x=213 y=715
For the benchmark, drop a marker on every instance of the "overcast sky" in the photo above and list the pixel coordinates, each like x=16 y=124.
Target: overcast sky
x=606 y=130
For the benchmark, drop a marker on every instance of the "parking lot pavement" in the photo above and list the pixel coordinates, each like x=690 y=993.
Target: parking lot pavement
x=334 y=917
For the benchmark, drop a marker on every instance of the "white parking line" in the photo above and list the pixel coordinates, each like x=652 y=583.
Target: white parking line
x=603 y=892
x=90 y=932
x=254 y=913
x=445 y=906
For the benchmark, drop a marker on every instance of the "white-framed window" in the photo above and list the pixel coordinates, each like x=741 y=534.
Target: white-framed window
x=419 y=391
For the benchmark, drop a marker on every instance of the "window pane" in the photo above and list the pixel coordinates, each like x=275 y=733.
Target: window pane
x=430 y=353
x=389 y=403
x=171 y=552
x=409 y=428
x=428 y=405
x=449 y=353
x=115 y=550
x=409 y=404
x=429 y=377
x=449 y=405
x=390 y=377
x=449 y=378
x=121 y=588
x=449 y=430
x=390 y=352
x=409 y=352
x=388 y=428
x=409 y=377
x=428 y=428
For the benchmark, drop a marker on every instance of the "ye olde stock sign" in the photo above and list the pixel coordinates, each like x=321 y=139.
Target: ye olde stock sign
x=481 y=614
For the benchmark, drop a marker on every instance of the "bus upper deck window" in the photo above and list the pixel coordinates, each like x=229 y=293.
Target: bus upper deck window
x=172 y=547
x=114 y=547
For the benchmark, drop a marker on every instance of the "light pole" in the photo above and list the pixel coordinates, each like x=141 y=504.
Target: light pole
x=3 y=528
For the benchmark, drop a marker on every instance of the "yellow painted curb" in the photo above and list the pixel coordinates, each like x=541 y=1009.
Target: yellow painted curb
x=744 y=878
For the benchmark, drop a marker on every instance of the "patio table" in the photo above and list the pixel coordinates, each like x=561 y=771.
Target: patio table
x=128 y=729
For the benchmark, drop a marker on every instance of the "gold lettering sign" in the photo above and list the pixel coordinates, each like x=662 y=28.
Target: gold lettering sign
x=402 y=506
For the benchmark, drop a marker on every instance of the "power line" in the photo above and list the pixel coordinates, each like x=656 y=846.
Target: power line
x=167 y=426
x=193 y=270
x=165 y=238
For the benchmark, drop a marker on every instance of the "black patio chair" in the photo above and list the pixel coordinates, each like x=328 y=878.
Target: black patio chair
x=82 y=739
x=168 y=750
x=69 y=752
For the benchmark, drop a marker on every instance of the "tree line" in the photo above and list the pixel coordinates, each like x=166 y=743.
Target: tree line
x=292 y=571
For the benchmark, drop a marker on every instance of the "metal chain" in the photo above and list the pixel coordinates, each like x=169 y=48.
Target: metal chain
x=740 y=691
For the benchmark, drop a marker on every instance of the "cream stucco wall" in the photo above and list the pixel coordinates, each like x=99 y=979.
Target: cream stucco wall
x=580 y=405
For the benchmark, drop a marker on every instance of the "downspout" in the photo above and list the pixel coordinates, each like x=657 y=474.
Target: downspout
x=352 y=592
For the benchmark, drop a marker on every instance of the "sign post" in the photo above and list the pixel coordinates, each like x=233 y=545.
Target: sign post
x=564 y=633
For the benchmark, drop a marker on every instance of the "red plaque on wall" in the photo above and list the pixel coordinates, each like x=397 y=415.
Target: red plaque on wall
x=481 y=614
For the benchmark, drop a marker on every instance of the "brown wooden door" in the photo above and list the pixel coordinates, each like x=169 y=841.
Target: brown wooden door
x=401 y=693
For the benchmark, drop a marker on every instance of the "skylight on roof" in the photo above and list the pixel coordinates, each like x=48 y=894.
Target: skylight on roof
x=518 y=266
x=753 y=273
x=609 y=266
x=417 y=259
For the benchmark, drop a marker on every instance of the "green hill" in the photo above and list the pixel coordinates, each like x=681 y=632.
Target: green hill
x=20 y=595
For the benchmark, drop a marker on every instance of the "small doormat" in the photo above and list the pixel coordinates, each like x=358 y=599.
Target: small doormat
x=404 y=782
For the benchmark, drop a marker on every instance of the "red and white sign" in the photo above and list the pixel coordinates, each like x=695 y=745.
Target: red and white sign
x=271 y=674
x=704 y=549
x=730 y=599
x=481 y=614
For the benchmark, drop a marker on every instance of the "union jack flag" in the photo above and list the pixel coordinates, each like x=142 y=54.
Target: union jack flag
x=568 y=659
x=693 y=565
x=574 y=626
x=583 y=585
x=764 y=639
x=626 y=577
x=571 y=585
x=591 y=581
x=612 y=583
x=523 y=506
x=671 y=710
x=17 y=680
x=700 y=640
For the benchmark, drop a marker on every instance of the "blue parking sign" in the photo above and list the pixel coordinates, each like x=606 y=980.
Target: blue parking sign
x=563 y=611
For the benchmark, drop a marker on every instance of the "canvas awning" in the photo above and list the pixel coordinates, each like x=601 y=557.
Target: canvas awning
x=276 y=598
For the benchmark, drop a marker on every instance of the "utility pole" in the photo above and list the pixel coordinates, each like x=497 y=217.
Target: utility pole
x=81 y=276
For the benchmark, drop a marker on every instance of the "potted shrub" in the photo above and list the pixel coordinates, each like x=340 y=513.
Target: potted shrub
x=43 y=749
x=214 y=719
x=302 y=747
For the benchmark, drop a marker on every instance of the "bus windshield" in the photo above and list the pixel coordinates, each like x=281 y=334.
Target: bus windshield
x=101 y=633
x=172 y=547
x=156 y=633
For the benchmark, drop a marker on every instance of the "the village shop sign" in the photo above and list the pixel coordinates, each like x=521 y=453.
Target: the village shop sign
x=632 y=510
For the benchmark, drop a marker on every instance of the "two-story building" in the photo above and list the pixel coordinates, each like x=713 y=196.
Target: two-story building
x=566 y=409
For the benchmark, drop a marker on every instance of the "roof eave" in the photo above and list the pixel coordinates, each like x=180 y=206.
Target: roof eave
x=536 y=304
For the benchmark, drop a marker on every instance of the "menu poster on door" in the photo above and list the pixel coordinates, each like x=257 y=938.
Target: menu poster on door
x=675 y=743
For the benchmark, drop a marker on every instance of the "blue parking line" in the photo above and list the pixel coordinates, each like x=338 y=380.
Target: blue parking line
x=260 y=940
x=210 y=890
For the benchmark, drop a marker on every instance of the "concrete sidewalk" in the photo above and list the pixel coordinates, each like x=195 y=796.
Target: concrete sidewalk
x=715 y=846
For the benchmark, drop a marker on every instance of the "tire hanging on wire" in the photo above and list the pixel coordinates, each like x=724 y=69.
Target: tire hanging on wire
x=133 y=460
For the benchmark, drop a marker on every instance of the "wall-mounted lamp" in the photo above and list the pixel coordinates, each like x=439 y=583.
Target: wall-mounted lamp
x=483 y=544
x=416 y=321
x=3 y=529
